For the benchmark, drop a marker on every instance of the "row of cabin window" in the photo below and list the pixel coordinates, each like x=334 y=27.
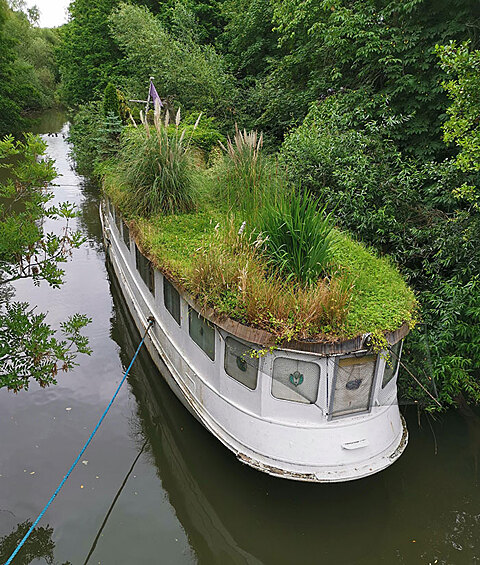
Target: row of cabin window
x=293 y=380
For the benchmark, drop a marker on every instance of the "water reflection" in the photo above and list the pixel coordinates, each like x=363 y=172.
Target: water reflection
x=38 y=546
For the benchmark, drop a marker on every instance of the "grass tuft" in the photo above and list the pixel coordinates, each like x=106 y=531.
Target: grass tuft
x=156 y=166
x=298 y=237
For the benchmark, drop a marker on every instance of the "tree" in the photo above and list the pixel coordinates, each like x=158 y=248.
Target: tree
x=10 y=110
x=28 y=348
x=190 y=74
x=462 y=66
x=88 y=56
x=384 y=49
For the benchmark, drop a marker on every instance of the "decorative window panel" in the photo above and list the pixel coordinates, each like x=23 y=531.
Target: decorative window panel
x=391 y=363
x=239 y=364
x=202 y=332
x=171 y=299
x=126 y=234
x=353 y=385
x=145 y=269
x=295 y=380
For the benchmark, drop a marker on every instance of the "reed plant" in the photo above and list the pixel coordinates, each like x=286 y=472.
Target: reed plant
x=299 y=238
x=155 y=165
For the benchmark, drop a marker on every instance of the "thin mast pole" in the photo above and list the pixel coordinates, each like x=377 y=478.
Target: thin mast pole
x=148 y=99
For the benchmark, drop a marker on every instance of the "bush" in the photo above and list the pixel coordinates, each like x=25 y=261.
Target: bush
x=205 y=135
x=155 y=164
x=110 y=101
x=298 y=237
x=95 y=138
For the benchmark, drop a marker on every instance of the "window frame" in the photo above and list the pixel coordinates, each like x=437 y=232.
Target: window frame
x=296 y=402
x=126 y=234
x=192 y=311
x=331 y=399
x=167 y=283
x=397 y=365
x=150 y=282
x=248 y=345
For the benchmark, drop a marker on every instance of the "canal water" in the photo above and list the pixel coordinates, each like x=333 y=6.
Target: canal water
x=155 y=487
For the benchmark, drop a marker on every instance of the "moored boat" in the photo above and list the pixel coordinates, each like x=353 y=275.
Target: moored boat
x=320 y=411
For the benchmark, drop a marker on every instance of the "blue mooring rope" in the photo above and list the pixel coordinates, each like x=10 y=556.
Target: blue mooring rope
x=32 y=527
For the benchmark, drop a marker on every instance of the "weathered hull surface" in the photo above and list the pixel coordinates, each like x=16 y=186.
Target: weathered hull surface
x=322 y=435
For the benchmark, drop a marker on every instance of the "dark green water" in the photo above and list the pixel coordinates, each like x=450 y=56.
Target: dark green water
x=187 y=500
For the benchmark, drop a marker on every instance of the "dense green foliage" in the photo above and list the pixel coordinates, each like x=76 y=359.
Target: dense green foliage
x=28 y=70
x=463 y=86
x=185 y=72
x=28 y=348
x=88 y=54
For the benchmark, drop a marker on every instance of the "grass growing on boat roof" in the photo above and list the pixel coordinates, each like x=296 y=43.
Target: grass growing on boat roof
x=217 y=254
x=203 y=252
x=381 y=299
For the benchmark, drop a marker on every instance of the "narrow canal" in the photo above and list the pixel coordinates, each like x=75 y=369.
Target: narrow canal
x=154 y=487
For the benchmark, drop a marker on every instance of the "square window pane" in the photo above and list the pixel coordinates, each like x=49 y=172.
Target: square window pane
x=145 y=270
x=126 y=234
x=118 y=219
x=295 y=380
x=353 y=385
x=239 y=364
x=202 y=333
x=391 y=363
x=171 y=299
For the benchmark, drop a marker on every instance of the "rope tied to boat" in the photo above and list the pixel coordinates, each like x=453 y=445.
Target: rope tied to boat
x=151 y=321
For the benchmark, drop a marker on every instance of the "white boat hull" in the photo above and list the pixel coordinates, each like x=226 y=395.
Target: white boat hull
x=279 y=437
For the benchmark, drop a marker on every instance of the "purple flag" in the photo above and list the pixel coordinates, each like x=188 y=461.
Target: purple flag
x=153 y=94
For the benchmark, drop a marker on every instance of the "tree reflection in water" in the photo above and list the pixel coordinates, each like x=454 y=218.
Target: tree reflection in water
x=38 y=546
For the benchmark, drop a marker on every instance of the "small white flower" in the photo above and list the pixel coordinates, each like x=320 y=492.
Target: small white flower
x=242 y=228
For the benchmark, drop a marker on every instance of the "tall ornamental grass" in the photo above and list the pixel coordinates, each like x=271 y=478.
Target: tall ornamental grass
x=247 y=179
x=299 y=239
x=156 y=166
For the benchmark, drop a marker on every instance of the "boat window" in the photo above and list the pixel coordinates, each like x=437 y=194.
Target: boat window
x=118 y=219
x=239 y=363
x=126 y=234
x=295 y=380
x=145 y=269
x=353 y=385
x=171 y=299
x=391 y=363
x=202 y=332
